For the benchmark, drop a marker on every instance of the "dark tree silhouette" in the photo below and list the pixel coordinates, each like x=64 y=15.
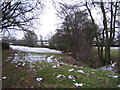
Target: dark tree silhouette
x=18 y=15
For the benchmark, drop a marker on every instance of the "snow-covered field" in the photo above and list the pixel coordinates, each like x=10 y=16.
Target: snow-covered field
x=32 y=58
x=34 y=49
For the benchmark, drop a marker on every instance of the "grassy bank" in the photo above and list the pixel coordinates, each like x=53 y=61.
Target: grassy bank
x=25 y=77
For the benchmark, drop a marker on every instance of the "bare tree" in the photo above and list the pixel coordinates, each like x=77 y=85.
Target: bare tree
x=18 y=15
x=109 y=27
x=76 y=33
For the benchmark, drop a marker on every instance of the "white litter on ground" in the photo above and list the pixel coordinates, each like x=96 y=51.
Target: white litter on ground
x=34 y=49
x=79 y=84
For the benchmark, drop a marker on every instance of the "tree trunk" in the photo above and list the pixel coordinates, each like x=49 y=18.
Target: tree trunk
x=101 y=57
x=107 y=53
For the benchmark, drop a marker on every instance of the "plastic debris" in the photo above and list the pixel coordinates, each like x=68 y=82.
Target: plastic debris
x=79 y=84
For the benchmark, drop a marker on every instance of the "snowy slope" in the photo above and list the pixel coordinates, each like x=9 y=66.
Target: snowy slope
x=34 y=49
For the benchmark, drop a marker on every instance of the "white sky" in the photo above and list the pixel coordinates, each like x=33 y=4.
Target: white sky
x=48 y=20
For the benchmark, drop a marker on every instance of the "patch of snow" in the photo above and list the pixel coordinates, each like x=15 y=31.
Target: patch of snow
x=39 y=79
x=32 y=87
x=118 y=86
x=87 y=73
x=16 y=66
x=98 y=77
x=81 y=71
x=32 y=58
x=73 y=80
x=75 y=66
x=71 y=77
x=60 y=76
x=4 y=78
x=23 y=64
x=71 y=70
x=33 y=69
x=113 y=76
x=110 y=68
x=113 y=64
x=79 y=84
x=58 y=65
x=55 y=66
x=34 y=49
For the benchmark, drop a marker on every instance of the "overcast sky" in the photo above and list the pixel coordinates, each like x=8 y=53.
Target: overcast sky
x=48 y=20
